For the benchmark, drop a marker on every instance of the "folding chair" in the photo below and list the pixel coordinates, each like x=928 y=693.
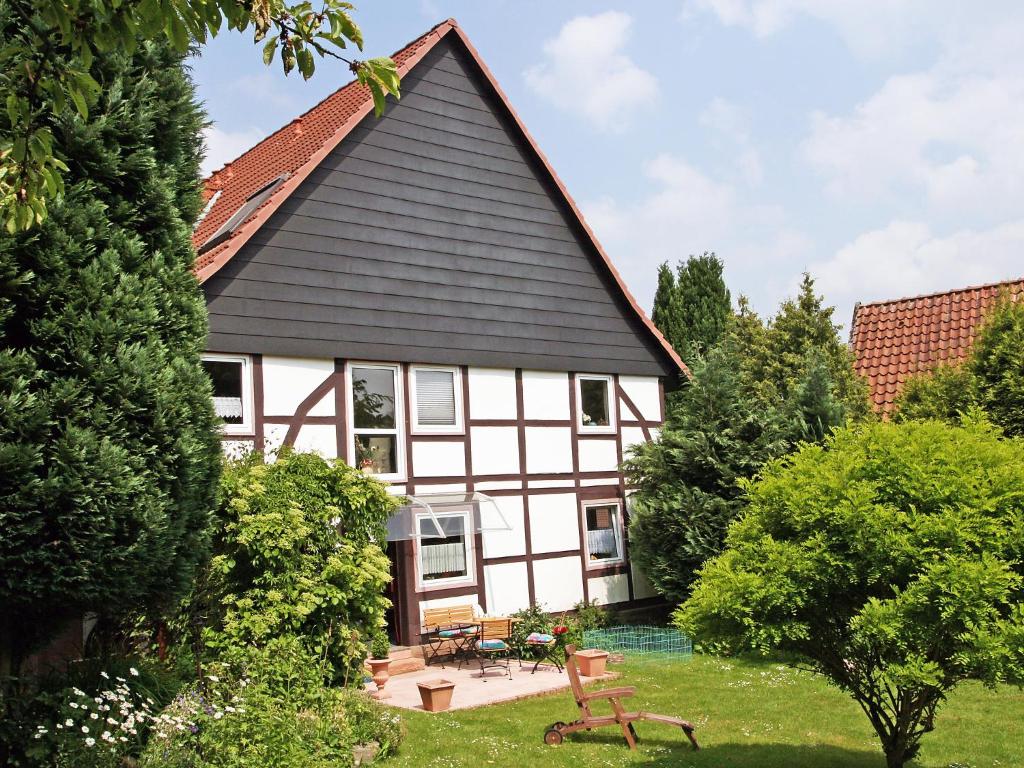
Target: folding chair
x=493 y=649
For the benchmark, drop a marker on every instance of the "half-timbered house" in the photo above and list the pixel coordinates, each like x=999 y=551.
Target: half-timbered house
x=418 y=295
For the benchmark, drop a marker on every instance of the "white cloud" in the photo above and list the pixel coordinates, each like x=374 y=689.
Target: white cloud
x=585 y=70
x=953 y=138
x=906 y=258
x=730 y=127
x=224 y=146
x=689 y=213
x=871 y=28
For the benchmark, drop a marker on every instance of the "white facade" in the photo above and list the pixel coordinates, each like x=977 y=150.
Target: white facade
x=517 y=436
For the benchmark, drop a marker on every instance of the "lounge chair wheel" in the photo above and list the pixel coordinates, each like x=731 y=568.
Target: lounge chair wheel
x=553 y=736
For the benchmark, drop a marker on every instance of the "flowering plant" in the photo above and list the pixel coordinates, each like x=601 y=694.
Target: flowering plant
x=99 y=730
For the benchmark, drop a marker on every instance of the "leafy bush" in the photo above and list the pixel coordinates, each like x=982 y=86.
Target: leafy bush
x=37 y=714
x=585 y=615
x=268 y=707
x=532 y=619
x=380 y=646
x=298 y=554
x=889 y=559
x=372 y=721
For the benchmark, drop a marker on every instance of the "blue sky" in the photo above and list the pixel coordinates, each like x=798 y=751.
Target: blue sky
x=878 y=144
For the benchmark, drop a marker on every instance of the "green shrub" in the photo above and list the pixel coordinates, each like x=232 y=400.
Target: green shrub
x=37 y=715
x=889 y=559
x=297 y=553
x=268 y=706
x=380 y=646
x=372 y=721
x=532 y=619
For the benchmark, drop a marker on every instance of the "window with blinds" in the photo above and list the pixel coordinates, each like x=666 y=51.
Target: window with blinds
x=436 y=401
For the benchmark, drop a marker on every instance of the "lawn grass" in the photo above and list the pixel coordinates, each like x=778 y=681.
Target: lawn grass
x=749 y=714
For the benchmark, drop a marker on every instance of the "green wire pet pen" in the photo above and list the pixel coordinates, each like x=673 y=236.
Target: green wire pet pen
x=640 y=640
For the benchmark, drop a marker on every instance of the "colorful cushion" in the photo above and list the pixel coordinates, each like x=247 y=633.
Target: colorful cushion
x=447 y=633
x=469 y=631
x=492 y=645
x=539 y=638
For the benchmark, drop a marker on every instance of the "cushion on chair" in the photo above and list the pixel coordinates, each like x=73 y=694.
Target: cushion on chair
x=447 y=633
x=492 y=645
x=469 y=631
x=539 y=638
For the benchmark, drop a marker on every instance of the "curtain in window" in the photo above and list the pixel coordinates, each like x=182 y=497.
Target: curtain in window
x=443 y=560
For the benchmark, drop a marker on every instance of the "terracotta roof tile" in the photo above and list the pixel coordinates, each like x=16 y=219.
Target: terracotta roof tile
x=893 y=340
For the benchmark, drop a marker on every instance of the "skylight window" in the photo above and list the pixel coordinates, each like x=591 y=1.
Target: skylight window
x=254 y=201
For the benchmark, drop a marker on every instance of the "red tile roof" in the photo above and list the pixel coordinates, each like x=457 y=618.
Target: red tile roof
x=299 y=147
x=893 y=340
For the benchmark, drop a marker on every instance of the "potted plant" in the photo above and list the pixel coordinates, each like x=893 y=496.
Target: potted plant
x=379 y=662
x=436 y=695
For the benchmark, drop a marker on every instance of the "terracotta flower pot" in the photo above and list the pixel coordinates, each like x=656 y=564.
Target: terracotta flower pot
x=436 y=695
x=592 y=662
x=379 y=671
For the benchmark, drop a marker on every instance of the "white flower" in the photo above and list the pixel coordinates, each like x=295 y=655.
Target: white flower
x=112 y=721
x=78 y=692
x=104 y=675
x=218 y=715
x=90 y=741
x=134 y=672
x=85 y=729
x=73 y=705
x=106 y=736
x=98 y=700
x=214 y=678
x=93 y=716
x=69 y=722
x=124 y=738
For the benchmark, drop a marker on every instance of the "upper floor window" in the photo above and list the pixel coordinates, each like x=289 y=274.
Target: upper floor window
x=594 y=394
x=436 y=399
x=604 y=533
x=376 y=408
x=231 y=376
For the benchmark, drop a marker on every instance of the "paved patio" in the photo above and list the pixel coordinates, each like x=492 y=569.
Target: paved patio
x=473 y=691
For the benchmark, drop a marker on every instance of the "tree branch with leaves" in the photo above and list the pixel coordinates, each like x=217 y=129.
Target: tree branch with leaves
x=44 y=69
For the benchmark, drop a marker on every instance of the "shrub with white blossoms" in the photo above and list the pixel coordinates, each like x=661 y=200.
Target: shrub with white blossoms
x=99 y=730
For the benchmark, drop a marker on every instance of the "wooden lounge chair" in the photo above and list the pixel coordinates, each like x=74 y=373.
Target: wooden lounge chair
x=557 y=732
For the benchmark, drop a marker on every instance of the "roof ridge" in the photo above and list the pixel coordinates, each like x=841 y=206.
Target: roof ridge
x=209 y=178
x=948 y=292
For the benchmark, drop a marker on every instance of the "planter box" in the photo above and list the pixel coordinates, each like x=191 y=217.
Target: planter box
x=436 y=695
x=592 y=662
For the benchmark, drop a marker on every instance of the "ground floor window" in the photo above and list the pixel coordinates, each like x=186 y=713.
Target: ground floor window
x=604 y=532
x=449 y=559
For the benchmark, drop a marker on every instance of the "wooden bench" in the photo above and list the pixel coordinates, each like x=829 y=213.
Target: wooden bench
x=556 y=733
x=453 y=626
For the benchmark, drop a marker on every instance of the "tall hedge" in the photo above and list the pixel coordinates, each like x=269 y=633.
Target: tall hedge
x=109 y=454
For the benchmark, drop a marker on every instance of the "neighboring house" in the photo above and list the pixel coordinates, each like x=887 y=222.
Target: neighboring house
x=894 y=340
x=418 y=295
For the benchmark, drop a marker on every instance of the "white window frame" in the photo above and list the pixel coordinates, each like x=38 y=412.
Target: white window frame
x=248 y=425
x=434 y=429
x=621 y=559
x=399 y=428
x=470 y=541
x=592 y=429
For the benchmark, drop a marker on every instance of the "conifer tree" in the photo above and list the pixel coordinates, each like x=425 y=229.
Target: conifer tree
x=665 y=314
x=692 y=308
x=688 y=489
x=109 y=454
x=802 y=326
